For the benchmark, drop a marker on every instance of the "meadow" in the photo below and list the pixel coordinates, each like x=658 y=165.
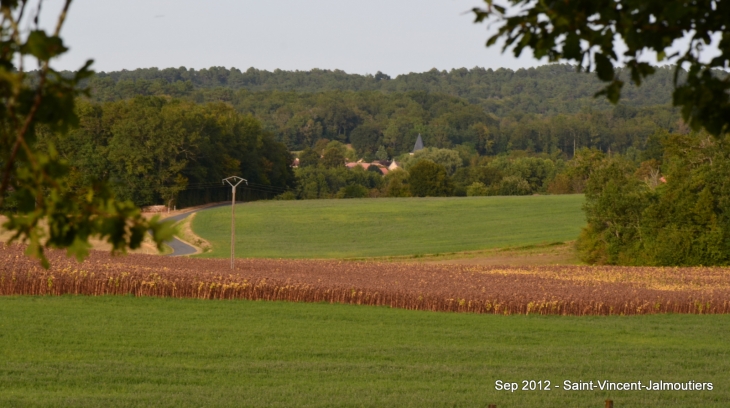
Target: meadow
x=138 y=352
x=356 y=228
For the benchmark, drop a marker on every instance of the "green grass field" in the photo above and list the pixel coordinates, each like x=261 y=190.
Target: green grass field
x=144 y=352
x=389 y=227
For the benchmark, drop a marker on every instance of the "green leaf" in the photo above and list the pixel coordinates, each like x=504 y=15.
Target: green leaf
x=604 y=67
x=43 y=47
x=571 y=48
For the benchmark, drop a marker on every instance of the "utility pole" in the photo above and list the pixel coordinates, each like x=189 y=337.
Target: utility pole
x=233 y=181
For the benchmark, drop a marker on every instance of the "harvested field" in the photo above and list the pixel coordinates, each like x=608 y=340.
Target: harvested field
x=561 y=290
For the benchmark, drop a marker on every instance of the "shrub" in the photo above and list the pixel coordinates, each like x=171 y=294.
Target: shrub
x=477 y=189
x=353 y=191
x=561 y=184
x=513 y=185
x=289 y=195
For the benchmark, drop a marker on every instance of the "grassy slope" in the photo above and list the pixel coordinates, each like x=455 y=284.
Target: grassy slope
x=386 y=227
x=114 y=352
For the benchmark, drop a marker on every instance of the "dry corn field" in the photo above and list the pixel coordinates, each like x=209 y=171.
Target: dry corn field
x=560 y=290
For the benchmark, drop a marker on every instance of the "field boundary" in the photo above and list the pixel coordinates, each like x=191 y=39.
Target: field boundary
x=518 y=251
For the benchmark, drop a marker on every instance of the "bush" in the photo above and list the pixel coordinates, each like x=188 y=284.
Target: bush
x=477 y=189
x=353 y=191
x=513 y=185
x=289 y=195
x=561 y=184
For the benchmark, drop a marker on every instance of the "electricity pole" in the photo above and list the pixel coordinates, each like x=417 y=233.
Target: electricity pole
x=233 y=181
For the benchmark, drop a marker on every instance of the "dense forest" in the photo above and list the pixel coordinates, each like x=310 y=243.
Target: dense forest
x=168 y=136
x=549 y=89
x=543 y=110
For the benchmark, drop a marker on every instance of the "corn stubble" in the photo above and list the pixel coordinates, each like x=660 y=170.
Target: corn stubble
x=545 y=290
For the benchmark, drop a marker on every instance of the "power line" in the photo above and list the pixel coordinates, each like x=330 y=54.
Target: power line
x=233 y=181
x=251 y=186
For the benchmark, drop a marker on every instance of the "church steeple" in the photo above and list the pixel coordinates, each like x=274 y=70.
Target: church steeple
x=419 y=144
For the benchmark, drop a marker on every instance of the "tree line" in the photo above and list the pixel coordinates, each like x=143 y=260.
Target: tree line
x=368 y=120
x=548 y=89
x=150 y=149
x=450 y=172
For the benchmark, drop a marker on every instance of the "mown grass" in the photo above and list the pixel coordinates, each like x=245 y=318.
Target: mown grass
x=389 y=227
x=141 y=352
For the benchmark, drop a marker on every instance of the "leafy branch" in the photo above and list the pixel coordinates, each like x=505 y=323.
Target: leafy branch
x=586 y=33
x=42 y=209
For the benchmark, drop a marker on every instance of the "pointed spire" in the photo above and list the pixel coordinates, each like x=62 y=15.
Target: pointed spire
x=419 y=144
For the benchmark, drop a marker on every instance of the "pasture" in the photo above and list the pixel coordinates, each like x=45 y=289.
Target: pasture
x=361 y=228
x=138 y=352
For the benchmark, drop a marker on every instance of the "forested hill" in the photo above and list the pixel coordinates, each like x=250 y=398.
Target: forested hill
x=549 y=89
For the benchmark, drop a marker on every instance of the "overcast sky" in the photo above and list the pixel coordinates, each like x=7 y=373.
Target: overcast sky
x=357 y=36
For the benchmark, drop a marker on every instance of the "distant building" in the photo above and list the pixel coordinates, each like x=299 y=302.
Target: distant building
x=419 y=144
x=359 y=163
x=379 y=164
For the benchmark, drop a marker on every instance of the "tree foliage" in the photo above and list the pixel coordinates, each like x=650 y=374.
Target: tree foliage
x=586 y=32
x=42 y=208
x=683 y=219
x=542 y=109
x=429 y=179
x=149 y=149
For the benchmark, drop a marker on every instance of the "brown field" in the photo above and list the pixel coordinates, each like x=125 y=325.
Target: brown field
x=562 y=290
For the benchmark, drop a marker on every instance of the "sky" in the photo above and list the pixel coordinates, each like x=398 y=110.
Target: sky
x=392 y=36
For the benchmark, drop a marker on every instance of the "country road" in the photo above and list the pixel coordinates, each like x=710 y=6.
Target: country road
x=180 y=248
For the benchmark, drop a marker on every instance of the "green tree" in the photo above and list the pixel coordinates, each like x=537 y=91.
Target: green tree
x=636 y=218
x=586 y=32
x=396 y=184
x=429 y=179
x=449 y=159
x=150 y=148
x=42 y=207
x=615 y=203
x=333 y=158
x=381 y=154
x=308 y=157
x=366 y=138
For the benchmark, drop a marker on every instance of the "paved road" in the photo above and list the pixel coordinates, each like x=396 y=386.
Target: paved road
x=180 y=248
